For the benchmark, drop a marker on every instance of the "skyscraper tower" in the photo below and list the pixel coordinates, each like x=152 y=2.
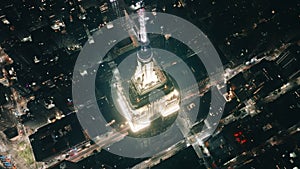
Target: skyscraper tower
x=146 y=75
x=152 y=93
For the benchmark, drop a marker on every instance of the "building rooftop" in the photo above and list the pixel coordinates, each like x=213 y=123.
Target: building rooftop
x=54 y=138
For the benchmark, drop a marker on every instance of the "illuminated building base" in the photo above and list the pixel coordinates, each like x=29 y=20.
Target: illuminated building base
x=141 y=106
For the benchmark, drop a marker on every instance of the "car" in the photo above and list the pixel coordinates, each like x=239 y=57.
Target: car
x=2 y=158
x=7 y=164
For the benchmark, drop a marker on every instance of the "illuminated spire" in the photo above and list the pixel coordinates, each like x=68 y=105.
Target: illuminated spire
x=143 y=32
